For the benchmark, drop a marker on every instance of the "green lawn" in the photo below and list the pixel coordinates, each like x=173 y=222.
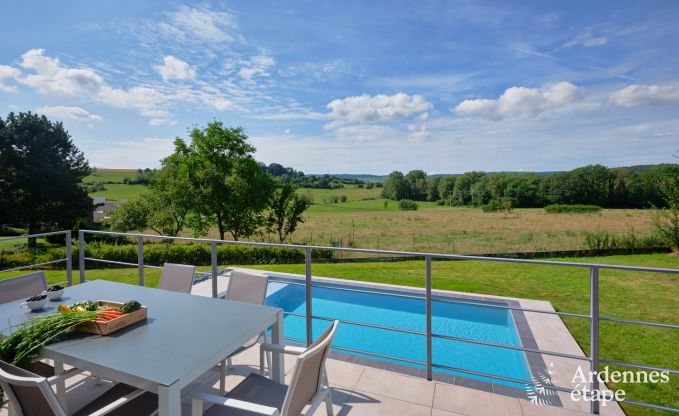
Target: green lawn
x=104 y=175
x=630 y=295
x=120 y=192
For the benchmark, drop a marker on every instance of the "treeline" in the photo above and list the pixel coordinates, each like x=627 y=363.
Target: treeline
x=286 y=174
x=591 y=185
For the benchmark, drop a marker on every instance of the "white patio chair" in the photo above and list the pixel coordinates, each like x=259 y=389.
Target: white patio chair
x=22 y=287
x=177 y=277
x=249 y=288
x=258 y=395
x=32 y=395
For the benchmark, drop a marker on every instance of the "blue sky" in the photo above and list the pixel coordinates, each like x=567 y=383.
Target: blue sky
x=355 y=86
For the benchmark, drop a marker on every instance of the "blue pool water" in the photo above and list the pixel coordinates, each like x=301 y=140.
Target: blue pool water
x=459 y=320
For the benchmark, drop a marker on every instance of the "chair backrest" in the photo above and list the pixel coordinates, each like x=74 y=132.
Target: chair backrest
x=22 y=287
x=30 y=394
x=308 y=373
x=177 y=277
x=245 y=287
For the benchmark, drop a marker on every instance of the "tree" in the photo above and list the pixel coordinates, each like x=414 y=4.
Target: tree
x=286 y=209
x=41 y=171
x=165 y=208
x=417 y=185
x=666 y=221
x=230 y=186
x=395 y=187
x=446 y=187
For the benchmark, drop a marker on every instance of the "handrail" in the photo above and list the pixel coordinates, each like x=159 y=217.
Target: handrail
x=401 y=253
x=593 y=315
x=68 y=259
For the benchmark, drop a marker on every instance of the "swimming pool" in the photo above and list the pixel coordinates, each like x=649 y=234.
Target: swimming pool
x=475 y=322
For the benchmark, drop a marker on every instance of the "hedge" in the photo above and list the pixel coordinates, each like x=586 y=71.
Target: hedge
x=560 y=208
x=159 y=253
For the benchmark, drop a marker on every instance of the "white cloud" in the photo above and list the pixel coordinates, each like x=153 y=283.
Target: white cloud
x=221 y=104
x=175 y=68
x=146 y=100
x=201 y=24
x=635 y=95
x=258 y=65
x=7 y=72
x=51 y=76
x=162 y=122
x=363 y=133
x=146 y=152
x=521 y=101
x=380 y=107
x=585 y=38
x=66 y=112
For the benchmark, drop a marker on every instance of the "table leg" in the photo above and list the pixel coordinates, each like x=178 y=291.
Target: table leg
x=278 y=365
x=169 y=401
x=61 y=386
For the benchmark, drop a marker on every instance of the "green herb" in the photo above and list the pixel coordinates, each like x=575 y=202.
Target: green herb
x=23 y=346
x=130 y=306
x=87 y=304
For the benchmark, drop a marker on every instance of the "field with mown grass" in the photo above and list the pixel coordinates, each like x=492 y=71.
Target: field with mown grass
x=628 y=295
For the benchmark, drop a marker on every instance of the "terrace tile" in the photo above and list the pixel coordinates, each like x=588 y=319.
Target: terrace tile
x=397 y=386
x=466 y=401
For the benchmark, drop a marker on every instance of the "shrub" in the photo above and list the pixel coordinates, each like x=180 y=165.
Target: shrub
x=407 y=205
x=495 y=205
x=159 y=253
x=603 y=240
x=343 y=198
x=577 y=208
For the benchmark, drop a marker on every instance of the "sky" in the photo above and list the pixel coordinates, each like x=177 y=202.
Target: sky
x=355 y=86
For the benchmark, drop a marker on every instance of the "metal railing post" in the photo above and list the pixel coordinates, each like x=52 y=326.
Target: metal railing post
x=309 y=309
x=69 y=258
x=427 y=262
x=81 y=255
x=213 y=262
x=594 y=335
x=140 y=260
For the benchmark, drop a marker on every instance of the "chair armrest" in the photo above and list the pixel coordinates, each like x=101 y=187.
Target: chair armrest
x=198 y=399
x=285 y=349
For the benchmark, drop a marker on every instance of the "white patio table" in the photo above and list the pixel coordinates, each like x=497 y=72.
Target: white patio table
x=183 y=337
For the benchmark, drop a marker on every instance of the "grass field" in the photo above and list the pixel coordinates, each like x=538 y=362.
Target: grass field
x=118 y=190
x=629 y=295
x=364 y=221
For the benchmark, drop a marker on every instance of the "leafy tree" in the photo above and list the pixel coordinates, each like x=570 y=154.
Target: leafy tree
x=165 y=208
x=41 y=171
x=462 y=193
x=286 y=209
x=132 y=216
x=666 y=221
x=417 y=184
x=395 y=186
x=446 y=187
x=230 y=186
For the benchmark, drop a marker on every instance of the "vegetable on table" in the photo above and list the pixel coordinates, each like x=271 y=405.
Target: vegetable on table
x=24 y=344
x=130 y=306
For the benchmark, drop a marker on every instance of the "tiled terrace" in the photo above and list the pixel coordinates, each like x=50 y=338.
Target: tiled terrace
x=359 y=390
